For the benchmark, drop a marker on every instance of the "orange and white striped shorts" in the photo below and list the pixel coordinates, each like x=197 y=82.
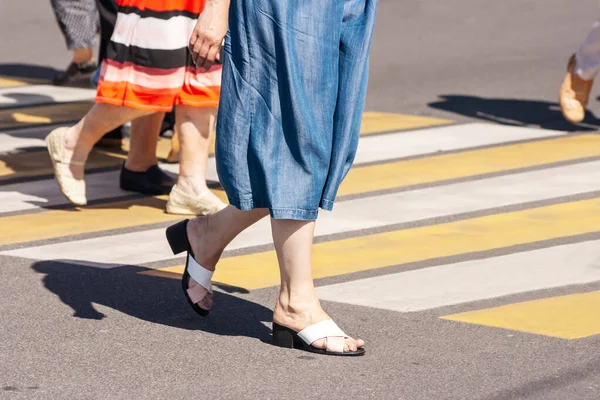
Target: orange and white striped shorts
x=148 y=65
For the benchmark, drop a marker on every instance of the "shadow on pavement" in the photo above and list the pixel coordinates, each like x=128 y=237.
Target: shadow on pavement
x=514 y=112
x=150 y=298
x=22 y=100
x=27 y=71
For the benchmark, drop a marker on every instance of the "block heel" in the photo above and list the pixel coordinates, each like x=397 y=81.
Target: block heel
x=283 y=337
x=177 y=237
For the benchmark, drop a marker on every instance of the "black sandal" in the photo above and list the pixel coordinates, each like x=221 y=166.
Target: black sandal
x=179 y=242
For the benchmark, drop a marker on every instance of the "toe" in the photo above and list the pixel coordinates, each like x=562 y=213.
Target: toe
x=320 y=344
x=353 y=344
x=207 y=302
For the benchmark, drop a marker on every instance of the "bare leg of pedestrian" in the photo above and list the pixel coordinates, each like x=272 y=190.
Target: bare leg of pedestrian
x=298 y=307
x=191 y=196
x=143 y=142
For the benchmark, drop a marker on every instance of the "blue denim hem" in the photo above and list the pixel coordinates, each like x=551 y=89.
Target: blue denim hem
x=276 y=213
x=327 y=205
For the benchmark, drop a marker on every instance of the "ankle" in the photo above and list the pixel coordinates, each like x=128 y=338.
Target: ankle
x=293 y=304
x=75 y=142
x=298 y=313
x=192 y=186
x=81 y=56
x=139 y=165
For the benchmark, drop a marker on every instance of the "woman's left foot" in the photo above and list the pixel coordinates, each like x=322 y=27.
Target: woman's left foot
x=308 y=326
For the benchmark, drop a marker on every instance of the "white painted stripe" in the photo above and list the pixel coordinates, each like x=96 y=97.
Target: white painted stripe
x=469 y=281
x=45 y=193
x=33 y=195
x=33 y=95
x=153 y=33
x=351 y=215
x=414 y=143
x=448 y=138
x=15 y=144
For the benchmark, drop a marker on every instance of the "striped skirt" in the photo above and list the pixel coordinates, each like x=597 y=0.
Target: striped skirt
x=148 y=64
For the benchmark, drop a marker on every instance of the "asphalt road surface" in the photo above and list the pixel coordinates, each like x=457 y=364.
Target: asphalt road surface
x=464 y=248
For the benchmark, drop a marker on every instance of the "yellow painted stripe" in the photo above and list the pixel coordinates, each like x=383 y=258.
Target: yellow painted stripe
x=12 y=81
x=376 y=122
x=55 y=113
x=59 y=223
x=400 y=247
x=568 y=317
x=468 y=163
x=9 y=82
x=30 y=119
x=38 y=163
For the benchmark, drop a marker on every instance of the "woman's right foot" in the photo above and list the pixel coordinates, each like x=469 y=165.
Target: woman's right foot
x=305 y=313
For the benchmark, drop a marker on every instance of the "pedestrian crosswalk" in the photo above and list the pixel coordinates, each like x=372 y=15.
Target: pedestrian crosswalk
x=433 y=214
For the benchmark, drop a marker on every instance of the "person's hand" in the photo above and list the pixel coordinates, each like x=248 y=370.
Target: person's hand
x=209 y=32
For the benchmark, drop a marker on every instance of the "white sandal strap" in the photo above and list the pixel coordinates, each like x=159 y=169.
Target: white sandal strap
x=199 y=273
x=321 y=330
x=335 y=344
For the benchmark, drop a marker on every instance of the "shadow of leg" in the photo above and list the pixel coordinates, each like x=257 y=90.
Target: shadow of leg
x=154 y=299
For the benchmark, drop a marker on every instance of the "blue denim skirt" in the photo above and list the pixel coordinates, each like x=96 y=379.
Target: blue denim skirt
x=292 y=96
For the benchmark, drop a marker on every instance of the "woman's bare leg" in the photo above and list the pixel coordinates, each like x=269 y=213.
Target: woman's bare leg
x=143 y=141
x=298 y=306
x=193 y=127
